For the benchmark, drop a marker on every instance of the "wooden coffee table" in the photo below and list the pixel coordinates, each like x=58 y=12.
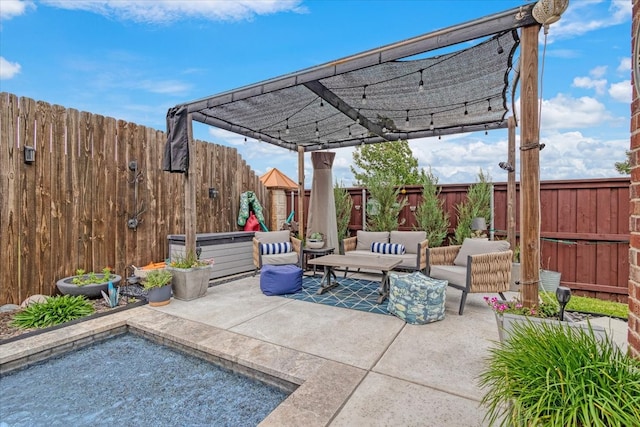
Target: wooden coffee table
x=379 y=263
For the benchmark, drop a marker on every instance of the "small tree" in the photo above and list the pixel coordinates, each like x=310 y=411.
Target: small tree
x=430 y=214
x=391 y=162
x=624 y=168
x=344 y=204
x=476 y=205
x=383 y=207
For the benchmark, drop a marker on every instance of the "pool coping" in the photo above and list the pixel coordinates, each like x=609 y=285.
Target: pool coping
x=320 y=387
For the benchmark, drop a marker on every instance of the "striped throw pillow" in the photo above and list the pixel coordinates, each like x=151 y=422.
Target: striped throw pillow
x=388 y=248
x=275 y=248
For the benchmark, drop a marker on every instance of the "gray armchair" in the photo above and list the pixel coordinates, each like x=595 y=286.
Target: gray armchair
x=272 y=237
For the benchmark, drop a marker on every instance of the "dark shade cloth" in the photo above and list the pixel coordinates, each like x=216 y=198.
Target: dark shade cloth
x=176 y=150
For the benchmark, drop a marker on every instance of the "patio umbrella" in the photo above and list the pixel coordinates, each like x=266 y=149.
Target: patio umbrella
x=322 y=207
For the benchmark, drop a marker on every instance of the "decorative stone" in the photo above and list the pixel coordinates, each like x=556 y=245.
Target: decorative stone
x=8 y=308
x=34 y=298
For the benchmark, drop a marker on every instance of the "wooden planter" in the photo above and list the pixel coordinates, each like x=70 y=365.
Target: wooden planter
x=190 y=283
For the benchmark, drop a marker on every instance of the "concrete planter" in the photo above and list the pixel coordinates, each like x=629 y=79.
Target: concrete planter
x=67 y=287
x=507 y=320
x=190 y=283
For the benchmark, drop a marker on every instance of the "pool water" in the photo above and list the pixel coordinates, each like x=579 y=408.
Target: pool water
x=129 y=380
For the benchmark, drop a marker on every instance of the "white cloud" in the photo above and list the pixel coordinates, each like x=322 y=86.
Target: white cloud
x=588 y=83
x=582 y=17
x=621 y=91
x=8 y=69
x=565 y=112
x=625 y=65
x=12 y=8
x=598 y=72
x=166 y=11
x=167 y=87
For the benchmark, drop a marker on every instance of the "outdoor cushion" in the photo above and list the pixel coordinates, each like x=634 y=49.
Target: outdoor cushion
x=366 y=238
x=273 y=236
x=280 y=279
x=479 y=246
x=454 y=274
x=387 y=248
x=409 y=239
x=416 y=298
x=275 y=248
x=281 y=259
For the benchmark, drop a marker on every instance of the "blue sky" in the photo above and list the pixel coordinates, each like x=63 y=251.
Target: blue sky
x=134 y=59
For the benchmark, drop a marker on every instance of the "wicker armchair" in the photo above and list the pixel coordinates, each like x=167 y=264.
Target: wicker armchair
x=259 y=259
x=488 y=272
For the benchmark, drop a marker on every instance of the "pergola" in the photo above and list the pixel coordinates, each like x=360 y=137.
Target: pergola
x=391 y=93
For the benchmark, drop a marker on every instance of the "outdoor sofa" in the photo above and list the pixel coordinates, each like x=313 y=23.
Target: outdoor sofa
x=408 y=246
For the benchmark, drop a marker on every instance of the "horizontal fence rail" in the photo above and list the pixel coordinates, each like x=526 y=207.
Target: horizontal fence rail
x=72 y=207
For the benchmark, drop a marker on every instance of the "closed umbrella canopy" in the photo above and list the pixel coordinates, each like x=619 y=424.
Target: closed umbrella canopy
x=322 y=207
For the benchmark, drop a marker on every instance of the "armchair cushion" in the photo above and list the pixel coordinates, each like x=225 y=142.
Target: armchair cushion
x=478 y=246
x=387 y=248
x=454 y=274
x=409 y=239
x=273 y=236
x=275 y=248
x=366 y=238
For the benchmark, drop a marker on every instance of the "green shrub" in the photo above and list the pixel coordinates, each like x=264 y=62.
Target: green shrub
x=343 y=203
x=383 y=207
x=82 y=278
x=55 y=310
x=430 y=214
x=476 y=205
x=549 y=375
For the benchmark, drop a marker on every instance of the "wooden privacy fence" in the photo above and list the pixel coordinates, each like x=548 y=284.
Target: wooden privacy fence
x=584 y=228
x=92 y=175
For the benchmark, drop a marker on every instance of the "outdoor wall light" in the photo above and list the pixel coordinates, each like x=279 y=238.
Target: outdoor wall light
x=29 y=154
x=563 y=294
x=506 y=166
x=213 y=193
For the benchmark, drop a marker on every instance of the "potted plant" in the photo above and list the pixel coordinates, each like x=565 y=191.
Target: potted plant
x=546 y=374
x=315 y=240
x=158 y=286
x=190 y=276
x=90 y=285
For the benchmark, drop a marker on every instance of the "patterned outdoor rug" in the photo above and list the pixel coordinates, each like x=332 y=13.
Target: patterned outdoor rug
x=356 y=294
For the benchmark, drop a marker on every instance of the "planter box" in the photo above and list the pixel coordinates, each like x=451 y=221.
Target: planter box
x=93 y=290
x=506 y=321
x=190 y=283
x=233 y=252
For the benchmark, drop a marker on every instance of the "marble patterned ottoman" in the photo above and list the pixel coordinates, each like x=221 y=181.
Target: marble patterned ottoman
x=416 y=298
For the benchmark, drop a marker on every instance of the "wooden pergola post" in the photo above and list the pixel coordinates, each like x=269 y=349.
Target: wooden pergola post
x=190 y=193
x=511 y=184
x=301 y=191
x=529 y=167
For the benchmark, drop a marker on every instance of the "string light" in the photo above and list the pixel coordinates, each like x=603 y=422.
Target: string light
x=466 y=112
x=349 y=130
x=358 y=117
x=431 y=126
x=321 y=102
x=317 y=130
x=286 y=129
x=364 y=95
x=384 y=129
x=489 y=102
x=407 y=119
x=485 y=130
x=500 y=49
x=421 y=84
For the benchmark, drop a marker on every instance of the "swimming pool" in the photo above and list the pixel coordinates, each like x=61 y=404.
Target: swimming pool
x=129 y=380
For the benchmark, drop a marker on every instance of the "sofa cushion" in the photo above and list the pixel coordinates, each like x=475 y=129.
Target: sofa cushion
x=387 y=248
x=366 y=238
x=275 y=248
x=454 y=274
x=273 y=236
x=281 y=259
x=409 y=239
x=478 y=246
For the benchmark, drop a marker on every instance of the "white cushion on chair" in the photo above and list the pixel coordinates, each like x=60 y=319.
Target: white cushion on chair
x=273 y=236
x=409 y=239
x=478 y=246
x=454 y=274
x=366 y=238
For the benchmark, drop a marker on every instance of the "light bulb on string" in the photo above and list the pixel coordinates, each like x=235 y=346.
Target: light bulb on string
x=358 y=117
x=485 y=130
x=286 y=129
x=317 y=130
x=364 y=95
x=421 y=84
x=407 y=119
x=466 y=112
x=431 y=125
x=489 y=102
x=321 y=102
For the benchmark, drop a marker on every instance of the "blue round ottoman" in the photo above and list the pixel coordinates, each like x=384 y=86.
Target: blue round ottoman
x=280 y=279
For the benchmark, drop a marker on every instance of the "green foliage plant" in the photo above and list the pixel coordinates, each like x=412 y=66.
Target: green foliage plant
x=477 y=204
x=55 y=310
x=624 y=168
x=391 y=162
x=550 y=375
x=188 y=260
x=157 y=278
x=430 y=214
x=515 y=306
x=344 y=204
x=385 y=216
x=82 y=278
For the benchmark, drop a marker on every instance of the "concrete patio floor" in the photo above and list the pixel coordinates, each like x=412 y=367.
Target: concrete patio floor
x=351 y=368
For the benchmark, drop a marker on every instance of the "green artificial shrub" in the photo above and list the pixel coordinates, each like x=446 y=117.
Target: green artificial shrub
x=550 y=375
x=55 y=310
